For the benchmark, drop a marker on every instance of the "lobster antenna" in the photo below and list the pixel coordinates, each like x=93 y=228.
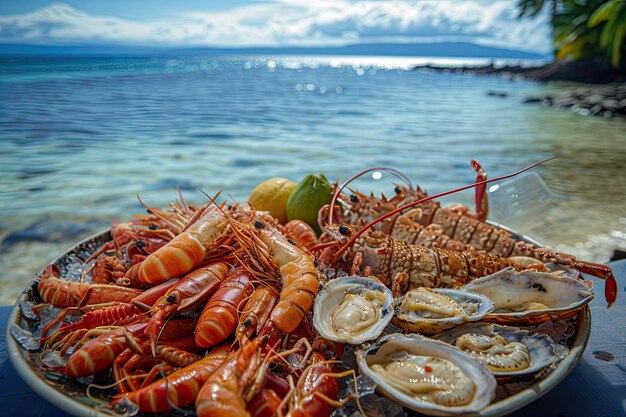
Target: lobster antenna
x=423 y=200
x=393 y=171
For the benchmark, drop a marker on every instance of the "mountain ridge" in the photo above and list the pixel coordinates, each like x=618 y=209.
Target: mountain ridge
x=437 y=49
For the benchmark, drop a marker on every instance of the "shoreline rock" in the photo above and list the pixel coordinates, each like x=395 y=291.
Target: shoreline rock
x=607 y=97
x=607 y=100
x=588 y=72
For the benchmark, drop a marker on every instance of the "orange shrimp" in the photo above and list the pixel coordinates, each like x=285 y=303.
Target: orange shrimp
x=298 y=274
x=134 y=369
x=61 y=293
x=302 y=232
x=256 y=312
x=316 y=391
x=179 y=388
x=189 y=292
x=107 y=314
x=108 y=270
x=221 y=314
x=100 y=353
x=224 y=393
x=185 y=252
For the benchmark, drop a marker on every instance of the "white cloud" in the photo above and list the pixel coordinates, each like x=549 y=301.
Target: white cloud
x=292 y=23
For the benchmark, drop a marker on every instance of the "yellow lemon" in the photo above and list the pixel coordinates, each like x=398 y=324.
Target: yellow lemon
x=313 y=192
x=272 y=196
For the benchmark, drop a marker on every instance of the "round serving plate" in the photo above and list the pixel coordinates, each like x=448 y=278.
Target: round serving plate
x=71 y=396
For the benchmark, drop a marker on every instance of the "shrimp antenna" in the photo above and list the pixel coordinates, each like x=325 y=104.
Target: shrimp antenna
x=392 y=171
x=423 y=200
x=200 y=212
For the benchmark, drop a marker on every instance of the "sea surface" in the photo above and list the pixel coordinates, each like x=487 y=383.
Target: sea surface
x=81 y=138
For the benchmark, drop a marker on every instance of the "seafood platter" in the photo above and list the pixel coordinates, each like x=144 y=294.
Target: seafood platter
x=308 y=300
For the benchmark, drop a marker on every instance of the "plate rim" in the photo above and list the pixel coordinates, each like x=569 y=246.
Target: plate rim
x=500 y=408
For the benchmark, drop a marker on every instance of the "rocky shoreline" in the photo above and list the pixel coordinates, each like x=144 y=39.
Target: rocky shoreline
x=604 y=101
x=607 y=97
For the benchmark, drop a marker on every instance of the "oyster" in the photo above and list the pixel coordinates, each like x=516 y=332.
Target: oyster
x=507 y=351
x=530 y=297
x=430 y=311
x=427 y=376
x=352 y=309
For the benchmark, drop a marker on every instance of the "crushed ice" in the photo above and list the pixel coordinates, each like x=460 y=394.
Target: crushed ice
x=24 y=338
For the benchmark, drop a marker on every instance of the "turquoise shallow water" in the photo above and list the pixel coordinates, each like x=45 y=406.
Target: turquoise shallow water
x=81 y=137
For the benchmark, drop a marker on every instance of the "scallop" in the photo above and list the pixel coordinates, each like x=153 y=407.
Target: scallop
x=431 y=311
x=530 y=297
x=427 y=376
x=508 y=352
x=352 y=309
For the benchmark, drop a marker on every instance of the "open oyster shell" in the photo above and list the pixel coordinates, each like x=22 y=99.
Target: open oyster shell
x=505 y=360
x=431 y=311
x=530 y=297
x=352 y=309
x=428 y=376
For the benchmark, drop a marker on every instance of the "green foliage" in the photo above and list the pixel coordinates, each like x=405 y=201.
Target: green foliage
x=530 y=8
x=585 y=29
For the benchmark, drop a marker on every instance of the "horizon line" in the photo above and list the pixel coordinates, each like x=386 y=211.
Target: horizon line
x=448 y=49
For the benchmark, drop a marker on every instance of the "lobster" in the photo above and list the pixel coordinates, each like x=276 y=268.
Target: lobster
x=430 y=267
x=457 y=225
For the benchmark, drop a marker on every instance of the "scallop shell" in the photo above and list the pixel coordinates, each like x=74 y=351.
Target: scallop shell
x=543 y=352
x=530 y=297
x=445 y=381
x=436 y=310
x=352 y=309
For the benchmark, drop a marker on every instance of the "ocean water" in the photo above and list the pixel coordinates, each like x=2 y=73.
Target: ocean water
x=80 y=138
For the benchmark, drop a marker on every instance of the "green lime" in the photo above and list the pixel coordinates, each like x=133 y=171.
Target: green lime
x=313 y=192
x=272 y=196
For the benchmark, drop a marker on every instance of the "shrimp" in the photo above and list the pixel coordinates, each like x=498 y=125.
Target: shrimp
x=300 y=281
x=221 y=314
x=256 y=312
x=224 y=392
x=177 y=389
x=61 y=293
x=185 y=252
x=189 y=292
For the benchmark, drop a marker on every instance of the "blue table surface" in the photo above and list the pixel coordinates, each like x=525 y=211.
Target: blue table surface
x=595 y=387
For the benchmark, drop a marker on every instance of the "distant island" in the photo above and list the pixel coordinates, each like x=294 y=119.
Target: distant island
x=438 y=49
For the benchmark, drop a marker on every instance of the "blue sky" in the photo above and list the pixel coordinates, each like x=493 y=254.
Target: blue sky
x=240 y=23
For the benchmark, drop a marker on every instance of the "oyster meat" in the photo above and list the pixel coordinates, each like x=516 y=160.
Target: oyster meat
x=427 y=376
x=507 y=351
x=430 y=311
x=428 y=379
x=495 y=352
x=530 y=297
x=352 y=309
